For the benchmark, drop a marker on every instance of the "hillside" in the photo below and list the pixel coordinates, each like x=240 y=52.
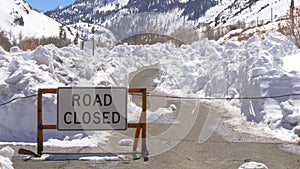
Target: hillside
x=232 y=11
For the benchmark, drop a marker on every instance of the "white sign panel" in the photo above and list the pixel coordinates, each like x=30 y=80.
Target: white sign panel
x=91 y=108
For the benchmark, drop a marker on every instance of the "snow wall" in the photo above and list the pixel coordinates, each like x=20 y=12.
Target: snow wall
x=252 y=68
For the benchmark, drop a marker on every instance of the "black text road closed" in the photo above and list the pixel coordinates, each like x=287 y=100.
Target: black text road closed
x=92 y=108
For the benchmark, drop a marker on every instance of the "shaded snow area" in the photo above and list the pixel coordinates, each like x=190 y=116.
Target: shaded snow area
x=6 y=154
x=257 y=67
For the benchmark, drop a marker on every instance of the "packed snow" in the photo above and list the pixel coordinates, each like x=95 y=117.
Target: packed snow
x=256 y=67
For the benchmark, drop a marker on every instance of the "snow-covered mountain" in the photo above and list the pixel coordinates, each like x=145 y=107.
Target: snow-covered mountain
x=99 y=11
x=226 y=19
x=202 y=12
x=17 y=17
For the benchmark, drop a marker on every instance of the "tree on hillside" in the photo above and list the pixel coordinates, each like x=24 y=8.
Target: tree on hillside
x=292 y=25
x=19 y=21
x=93 y=30
x=76 y=38
x=292 y=6
x=61 y=30
x=64 y=35
x=4 y=41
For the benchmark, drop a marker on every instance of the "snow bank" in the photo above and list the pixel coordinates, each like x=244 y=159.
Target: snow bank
x=6 y=154
x=256 y=67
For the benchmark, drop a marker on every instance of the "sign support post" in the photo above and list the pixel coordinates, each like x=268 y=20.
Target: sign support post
x=40 y=122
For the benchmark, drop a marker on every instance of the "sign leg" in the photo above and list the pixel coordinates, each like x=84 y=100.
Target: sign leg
x=135 y=142
x=39 y=123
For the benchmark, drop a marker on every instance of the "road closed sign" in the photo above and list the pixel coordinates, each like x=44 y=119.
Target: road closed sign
x=91 y=108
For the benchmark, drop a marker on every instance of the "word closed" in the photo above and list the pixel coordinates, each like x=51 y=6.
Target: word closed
x=92 y=108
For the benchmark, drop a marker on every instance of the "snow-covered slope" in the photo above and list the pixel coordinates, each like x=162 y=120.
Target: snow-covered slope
x=238 y=20
x=86 y=31
x=16 y=17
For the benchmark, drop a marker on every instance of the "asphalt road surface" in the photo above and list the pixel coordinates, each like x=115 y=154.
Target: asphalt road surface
x=176 y=145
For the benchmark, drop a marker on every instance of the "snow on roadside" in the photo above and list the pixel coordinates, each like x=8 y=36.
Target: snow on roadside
x=82 y=157
x=253 y=165
x=6 y=154
x=253 y=68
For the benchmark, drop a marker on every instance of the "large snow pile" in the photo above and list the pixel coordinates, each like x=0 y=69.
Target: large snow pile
x=257 y=67
x=22 y=73
x=254 y=68
x=6 y=154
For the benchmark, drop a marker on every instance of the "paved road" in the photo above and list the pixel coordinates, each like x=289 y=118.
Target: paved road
x=169 y=149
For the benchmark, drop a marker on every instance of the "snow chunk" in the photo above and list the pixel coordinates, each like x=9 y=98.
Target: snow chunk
x=253 y=165
x=14 y=78
x=13 y=66
x=297 y=130
x=125 y=142
x=77 y=136
x=172 y=107
x=2 y=51
x=41 y=55
x=15 y=49
x=6 y=154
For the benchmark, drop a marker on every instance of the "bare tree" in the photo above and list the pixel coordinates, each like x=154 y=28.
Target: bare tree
x=292 y=25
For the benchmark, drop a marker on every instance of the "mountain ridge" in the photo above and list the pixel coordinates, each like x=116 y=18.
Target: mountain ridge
x=97 y=12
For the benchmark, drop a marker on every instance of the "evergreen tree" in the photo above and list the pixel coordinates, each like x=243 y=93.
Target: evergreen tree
x=64 y=35
x=76 y=38
x=93 y=30
x=61 y=30
x=292 y=6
